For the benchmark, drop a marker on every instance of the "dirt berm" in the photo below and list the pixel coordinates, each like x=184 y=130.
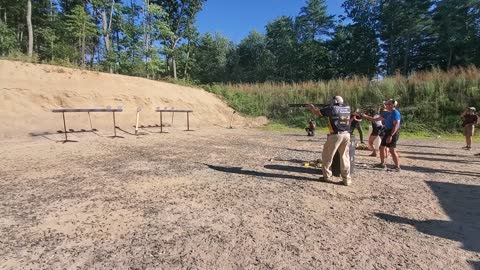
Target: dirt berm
x=28 y=93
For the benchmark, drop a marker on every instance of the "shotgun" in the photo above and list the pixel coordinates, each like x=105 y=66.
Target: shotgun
x=297 y=105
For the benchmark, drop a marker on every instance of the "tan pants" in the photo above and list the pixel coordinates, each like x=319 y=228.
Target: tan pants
x=469 y=130
x=336 y=142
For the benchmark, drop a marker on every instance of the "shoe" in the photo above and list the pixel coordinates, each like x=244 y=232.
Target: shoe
x=381 y=166
x=397 y=169
x=477 y=155
x=347 y=181
x=325 y=179
x=467 y=147
x=372 y=155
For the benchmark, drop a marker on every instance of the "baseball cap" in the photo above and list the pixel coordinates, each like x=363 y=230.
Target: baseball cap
x=338 y=100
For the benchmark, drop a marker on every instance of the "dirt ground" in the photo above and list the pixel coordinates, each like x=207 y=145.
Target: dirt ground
x=221 y=198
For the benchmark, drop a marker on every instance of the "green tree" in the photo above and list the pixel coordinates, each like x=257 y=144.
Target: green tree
x=313 y=21
x=456 y=24
x=255 y=60
x=130 y=48
x=313 y=26
x=282 y=43
x=405 y=30
x=80 y=24
x=211 y=58
x=355 y=47
x=179 y=16
x=8 y=43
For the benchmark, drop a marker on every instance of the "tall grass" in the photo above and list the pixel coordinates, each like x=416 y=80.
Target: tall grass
x=429 y=101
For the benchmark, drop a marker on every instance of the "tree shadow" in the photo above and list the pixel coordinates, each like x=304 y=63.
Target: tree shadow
x=441 y=159
x=295 y=169
x=312 y=140
x=432 y=154
x=301 y=150
x=461 y=203
x=295 y=135
x=239 y=170
x=475 y=265
x=130 y=133
x=427 y=146
x=293 y=160
x=432 y=170
x=61 y=132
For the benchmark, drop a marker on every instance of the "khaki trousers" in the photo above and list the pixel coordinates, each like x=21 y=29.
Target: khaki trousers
x=341 y=143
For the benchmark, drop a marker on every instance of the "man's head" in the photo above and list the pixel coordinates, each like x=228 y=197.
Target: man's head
x=472 y=109
x=391 y=104
x=337 y=100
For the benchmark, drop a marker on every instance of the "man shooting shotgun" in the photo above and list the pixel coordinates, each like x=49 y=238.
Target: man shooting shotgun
x=339 y=138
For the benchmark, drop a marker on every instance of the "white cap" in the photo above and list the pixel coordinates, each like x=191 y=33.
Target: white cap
x=337 y=100
x=472 y=109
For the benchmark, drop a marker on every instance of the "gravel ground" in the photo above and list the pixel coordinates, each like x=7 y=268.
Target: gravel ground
x=233 y=199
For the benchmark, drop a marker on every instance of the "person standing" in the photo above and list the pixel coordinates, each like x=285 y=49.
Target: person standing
x=311 y=127
x=391 y=133
x=469 y=120
x=355 y=123
x=377 y=126
x=338 y=139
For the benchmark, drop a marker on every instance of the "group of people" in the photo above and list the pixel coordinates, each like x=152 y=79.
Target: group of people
x=385 y=124
x=340 y=119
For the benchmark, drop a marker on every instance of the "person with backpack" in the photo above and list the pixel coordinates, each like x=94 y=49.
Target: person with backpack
x=470 y=119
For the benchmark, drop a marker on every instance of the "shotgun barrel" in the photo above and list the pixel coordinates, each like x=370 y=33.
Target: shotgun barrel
x=296 y=105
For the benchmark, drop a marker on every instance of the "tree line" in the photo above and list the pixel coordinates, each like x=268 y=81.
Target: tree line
x=158 y=39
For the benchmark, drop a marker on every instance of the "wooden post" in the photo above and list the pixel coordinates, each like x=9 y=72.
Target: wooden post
x=64 y=127
x=90 y=119
x=188 y=122
x=161 y=123
x=138 y=118
x=114 y=126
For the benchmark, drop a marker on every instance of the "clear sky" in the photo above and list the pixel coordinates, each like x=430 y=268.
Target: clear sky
x=234 y=19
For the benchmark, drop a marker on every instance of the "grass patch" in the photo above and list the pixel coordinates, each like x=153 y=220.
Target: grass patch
x=422 y=135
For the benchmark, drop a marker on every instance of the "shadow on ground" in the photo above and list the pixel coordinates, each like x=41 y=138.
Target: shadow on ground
x=432 y=154
x=475 y=265
x=295 y=169
x=462 y=205
x=427 y=146
x=433 y=170
x=240 y=170
x=441 y=159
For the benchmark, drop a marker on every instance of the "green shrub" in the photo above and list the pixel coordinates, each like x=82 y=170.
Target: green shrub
x=429 y=101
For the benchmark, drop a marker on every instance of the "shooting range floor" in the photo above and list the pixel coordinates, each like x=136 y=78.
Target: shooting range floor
x=233 y=199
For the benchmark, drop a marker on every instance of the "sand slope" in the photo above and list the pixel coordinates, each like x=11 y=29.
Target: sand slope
x=28 y=92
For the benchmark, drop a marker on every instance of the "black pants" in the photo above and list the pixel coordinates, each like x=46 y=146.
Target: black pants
x=356 y=125
x=310 y=131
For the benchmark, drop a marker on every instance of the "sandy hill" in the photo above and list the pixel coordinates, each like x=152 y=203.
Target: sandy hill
x=28 y=92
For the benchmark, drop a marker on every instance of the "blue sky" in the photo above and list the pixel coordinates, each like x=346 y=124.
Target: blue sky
x=234 y=19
